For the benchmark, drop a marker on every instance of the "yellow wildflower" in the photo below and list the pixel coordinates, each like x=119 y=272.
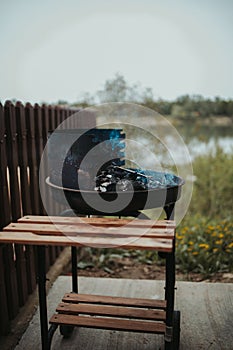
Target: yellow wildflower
x=230 y=245
x=204 y=245
x=215 y=250
x=221 y=235
x=179 y=236
x=195 y=253
x=191 y=243
x=219 y=242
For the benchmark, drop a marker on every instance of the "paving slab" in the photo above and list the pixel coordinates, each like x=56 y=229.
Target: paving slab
x=206 y=316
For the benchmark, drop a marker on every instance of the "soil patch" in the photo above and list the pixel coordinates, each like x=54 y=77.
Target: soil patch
x=129 y=268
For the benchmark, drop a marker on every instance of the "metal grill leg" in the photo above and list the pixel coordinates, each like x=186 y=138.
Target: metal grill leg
x=74 y=269
x=170 y=286
x=42 y=297
x=169 y=296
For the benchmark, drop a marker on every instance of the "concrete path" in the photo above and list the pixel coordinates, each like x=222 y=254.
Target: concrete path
x=206 y=311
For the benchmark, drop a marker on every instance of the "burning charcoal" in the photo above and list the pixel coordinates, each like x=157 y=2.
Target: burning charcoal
x=105 y=184
x=124 y=185
x=112 y=187
x=115 y=177
x=126 y=173
x=102 y=189
x=139 y=186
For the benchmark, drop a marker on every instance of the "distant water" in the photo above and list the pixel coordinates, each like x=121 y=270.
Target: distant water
x=197 y=147
x=149 y=150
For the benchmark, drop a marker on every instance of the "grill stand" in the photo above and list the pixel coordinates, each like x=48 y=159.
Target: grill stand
x=172 y=321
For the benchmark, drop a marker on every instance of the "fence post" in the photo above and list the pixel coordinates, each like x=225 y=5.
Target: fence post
x=5 y=217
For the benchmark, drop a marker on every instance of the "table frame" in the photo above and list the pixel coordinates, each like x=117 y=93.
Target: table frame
x=47 y=333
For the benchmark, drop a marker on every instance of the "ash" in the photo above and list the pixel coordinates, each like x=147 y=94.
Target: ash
x=115 y=178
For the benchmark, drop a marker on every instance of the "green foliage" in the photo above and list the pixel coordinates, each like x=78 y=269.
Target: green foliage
x=205 y=246
x=212 y=194
x=205 y=237
x=184 y=107
x=111 y=258
x=117 y=90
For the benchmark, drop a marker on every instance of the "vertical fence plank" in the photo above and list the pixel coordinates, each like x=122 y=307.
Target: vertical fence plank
x=50 y=253
x=4 y=219
x=15 y=195
x=23 y=159
x=4 y=315
x=5 y=215
x=12 y=157
x=44 y=171
x=39 y=144
x=32 y=160
x=54 y=122
x=10 y=277
x=51 y=129
x=25 y=190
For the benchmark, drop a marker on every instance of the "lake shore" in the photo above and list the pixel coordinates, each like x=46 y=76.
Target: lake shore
x=209 y=121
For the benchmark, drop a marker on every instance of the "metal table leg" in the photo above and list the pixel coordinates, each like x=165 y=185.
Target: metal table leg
x=170 y=286
x=41 y=277
x=74 y=270
x=169 y=296
x=67 y=330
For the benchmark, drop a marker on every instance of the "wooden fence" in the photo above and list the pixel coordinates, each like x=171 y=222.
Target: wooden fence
x=23 y=135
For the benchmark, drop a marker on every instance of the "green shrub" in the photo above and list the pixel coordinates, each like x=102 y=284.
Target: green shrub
x=205 y=246
x=213 y=189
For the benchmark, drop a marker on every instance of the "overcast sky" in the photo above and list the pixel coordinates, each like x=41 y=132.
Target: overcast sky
x=58 y=49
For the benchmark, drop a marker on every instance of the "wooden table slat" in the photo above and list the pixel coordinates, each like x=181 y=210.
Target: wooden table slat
x=97 y=221
x=109 y=323
x=94 y=232
x=85 y=229
x=111 y=300
x=118 y=311
x=163 y=245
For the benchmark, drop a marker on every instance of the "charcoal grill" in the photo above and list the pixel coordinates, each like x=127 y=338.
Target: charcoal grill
x=64 y=185
x=140 y=200
x=63 y=179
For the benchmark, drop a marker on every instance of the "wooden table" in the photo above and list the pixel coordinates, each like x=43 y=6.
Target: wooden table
x=96 y=311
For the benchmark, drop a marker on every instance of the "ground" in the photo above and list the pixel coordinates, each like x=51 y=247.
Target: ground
x=129 y=268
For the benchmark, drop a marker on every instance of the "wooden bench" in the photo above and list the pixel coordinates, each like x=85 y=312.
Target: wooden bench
x=97 y=232
x=96 y=311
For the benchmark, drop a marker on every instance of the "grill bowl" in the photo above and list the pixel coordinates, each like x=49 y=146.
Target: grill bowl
x=138 y=200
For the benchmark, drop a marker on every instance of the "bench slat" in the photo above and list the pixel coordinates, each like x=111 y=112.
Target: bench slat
x=109 y=323
x=102 y=233
x=85 y=229
x=163 y=245
x=110 y=300
x=118 y=311
x=96 y=221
